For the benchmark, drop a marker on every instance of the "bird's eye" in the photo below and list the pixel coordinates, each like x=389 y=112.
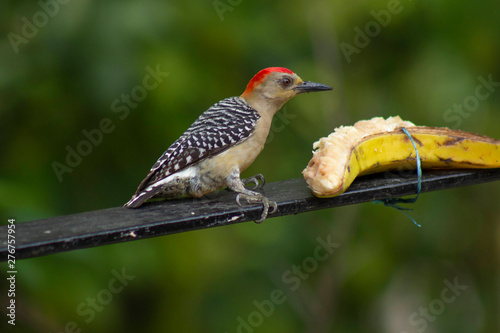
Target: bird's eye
x=286 y=81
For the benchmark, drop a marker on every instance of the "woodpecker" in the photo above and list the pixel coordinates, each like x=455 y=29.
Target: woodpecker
x=223 y=142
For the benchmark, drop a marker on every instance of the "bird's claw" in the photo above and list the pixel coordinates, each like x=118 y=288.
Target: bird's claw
x=259 y=198
x=258 y=180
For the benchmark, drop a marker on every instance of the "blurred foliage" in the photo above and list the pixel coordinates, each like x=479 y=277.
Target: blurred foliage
x=64 y=79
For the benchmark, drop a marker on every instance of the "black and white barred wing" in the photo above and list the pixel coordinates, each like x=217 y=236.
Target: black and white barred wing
x=222 y=126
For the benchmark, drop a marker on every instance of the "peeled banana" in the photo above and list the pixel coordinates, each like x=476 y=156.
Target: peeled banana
x=379 y=145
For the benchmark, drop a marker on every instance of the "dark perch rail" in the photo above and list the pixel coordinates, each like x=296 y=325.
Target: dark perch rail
x=114 y=225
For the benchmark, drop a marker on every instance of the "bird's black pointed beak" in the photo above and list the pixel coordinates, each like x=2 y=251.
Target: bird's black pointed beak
x=308 y=86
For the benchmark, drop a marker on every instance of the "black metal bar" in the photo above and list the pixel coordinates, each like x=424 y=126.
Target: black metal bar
x=115 y=225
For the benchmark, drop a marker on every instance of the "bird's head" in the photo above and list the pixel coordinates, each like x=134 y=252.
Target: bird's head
x=274 y=86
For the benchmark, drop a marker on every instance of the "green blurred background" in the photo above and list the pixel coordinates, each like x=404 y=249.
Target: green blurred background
x=61 y=76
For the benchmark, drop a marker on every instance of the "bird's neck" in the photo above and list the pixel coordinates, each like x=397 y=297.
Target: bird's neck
x=265 y=106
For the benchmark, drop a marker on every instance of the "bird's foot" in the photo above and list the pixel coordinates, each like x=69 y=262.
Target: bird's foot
x=259 y=198
x=258 y=180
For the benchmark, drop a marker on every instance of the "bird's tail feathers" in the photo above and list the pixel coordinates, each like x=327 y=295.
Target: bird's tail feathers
x=139 y=198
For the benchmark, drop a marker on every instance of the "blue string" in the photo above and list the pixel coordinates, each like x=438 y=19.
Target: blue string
x=394 y=202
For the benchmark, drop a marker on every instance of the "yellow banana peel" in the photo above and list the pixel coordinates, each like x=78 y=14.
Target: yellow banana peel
x=379 y=145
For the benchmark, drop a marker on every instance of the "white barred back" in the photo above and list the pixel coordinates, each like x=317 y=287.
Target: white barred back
x=222 y=126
